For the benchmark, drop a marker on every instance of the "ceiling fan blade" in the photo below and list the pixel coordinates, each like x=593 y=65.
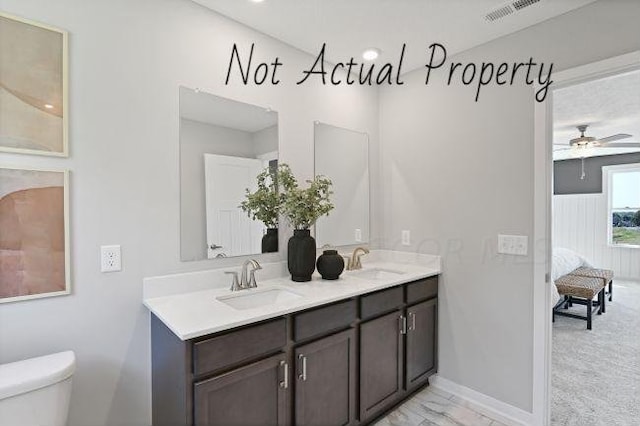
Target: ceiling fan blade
x=614 y=138
x=619 y=145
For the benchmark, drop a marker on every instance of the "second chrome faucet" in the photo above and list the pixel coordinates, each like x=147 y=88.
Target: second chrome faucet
x=354 y=261
x=247 y=277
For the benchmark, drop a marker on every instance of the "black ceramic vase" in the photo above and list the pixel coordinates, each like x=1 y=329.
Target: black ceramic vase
x=330 y=265
x=301 y=255
x=270 y=241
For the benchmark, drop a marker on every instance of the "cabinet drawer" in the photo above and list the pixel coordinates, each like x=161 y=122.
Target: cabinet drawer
x=423 y=289
x=381 y=302
x=238 y=346
x=325 y=319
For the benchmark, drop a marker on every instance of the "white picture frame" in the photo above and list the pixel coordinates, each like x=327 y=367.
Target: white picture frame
x=29 y=114
x=19 y=180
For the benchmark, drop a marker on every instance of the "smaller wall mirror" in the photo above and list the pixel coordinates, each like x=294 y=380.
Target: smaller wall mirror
x=224 y=145
x=343 y=156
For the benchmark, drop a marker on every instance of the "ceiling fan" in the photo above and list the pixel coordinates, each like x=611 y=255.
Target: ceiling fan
x=583 y=142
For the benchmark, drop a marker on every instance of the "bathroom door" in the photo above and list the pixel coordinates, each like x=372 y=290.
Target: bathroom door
x=230 y=232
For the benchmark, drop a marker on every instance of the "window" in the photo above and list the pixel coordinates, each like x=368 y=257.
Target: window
x=624 y=204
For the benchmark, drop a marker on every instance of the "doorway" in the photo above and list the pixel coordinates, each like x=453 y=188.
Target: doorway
x=543 y=202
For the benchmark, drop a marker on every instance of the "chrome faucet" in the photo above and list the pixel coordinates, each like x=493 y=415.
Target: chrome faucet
x=354 y=261
x=247 y=279
x=250 y=281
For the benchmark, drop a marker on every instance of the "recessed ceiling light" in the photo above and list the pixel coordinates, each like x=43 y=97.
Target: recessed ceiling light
x=48 y=106
x=257 y=1
x=370 y=54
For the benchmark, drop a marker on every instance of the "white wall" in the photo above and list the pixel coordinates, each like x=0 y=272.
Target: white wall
x=456 y=173
x=127 y=60
x=580 y=223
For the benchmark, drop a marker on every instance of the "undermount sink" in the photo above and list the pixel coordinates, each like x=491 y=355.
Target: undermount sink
x=376 y=274
x=255 y=298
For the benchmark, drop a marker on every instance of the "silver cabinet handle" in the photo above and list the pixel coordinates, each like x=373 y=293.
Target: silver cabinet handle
x=403 y=324
x=303 y=375
x=214 y=246
x=412 y=315
x=284 y=384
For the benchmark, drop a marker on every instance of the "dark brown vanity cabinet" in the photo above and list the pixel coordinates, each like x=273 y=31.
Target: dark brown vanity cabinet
x=381 y=363
x=421 y=338
x=256 y=394
x=339 y=364
x=325 y=381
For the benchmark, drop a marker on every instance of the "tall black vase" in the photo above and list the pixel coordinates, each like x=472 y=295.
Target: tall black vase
x=301 y=255
x=270 y=241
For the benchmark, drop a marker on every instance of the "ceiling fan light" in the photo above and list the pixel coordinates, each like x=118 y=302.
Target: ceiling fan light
x=583 y=141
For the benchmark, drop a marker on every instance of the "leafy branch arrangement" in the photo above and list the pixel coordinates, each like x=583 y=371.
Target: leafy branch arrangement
x=278 y=192
x=264 y=204
x=304 y=206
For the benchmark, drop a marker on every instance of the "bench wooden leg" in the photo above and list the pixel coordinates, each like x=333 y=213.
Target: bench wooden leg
x=589 y=309
x=611 y=291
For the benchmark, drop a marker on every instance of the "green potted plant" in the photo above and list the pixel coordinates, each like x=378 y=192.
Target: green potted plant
x=302 y=207
x=264 y=205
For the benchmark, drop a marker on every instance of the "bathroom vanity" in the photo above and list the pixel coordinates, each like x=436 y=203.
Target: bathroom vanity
x=339 y=353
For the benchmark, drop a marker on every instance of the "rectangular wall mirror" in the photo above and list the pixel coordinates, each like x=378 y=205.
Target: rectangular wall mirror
x=224 y=145
x=343 y=156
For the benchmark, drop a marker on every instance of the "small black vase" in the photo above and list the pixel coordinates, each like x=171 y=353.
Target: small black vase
x=270 y=241
x=301 y=255
x=330 y=265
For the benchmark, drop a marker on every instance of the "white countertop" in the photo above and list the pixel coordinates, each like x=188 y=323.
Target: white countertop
x=198 y=313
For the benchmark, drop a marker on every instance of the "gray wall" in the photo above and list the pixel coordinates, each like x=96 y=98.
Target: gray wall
x=456 y=173
x=566 y=173
x=127 y=61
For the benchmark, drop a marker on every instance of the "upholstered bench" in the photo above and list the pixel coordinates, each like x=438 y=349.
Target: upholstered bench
x=604 y=274
x=581 y=290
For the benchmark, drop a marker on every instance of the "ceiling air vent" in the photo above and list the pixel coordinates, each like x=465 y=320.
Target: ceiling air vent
x=521 y=4
x=508 y=9
x=499 y=13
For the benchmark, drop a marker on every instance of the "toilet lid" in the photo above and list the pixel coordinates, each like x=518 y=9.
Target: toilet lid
x=30 y=374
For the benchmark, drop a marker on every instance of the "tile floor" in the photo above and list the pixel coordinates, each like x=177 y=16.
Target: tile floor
x=435 y=407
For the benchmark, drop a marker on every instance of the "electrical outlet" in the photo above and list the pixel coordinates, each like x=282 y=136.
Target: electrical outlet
x=111 y=260
x=406 y=238
x=513 y=244
x=358 y=235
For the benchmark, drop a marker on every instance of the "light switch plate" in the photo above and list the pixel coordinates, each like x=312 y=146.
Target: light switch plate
x=406 y=238
x=513 y=244
x=110 y=259
x=358 y=235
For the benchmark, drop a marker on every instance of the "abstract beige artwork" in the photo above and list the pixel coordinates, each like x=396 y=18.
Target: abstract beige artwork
x=33 y=234
x=33 y=101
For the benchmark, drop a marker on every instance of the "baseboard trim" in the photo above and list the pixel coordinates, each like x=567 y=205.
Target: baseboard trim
x=484 y=404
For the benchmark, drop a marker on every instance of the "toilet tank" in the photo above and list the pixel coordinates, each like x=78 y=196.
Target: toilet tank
x=36 y=391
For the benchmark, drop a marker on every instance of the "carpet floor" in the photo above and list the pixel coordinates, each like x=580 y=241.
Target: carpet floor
x=596 y=373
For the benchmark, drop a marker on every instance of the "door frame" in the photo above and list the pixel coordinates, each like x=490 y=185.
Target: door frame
x=543 y=193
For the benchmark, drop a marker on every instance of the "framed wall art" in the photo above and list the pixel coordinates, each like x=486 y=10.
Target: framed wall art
x=34 y=233
x=33 y=88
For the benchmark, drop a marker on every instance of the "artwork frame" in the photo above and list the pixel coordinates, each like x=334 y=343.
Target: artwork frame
x=61 y=102
x=63 y=177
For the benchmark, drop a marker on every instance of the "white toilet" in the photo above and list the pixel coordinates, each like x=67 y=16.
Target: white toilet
x=36 y=391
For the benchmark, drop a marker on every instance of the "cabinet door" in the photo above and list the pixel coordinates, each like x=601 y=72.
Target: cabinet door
x=421 y=342
x=325 y=381
x=381 y=355
x=257 y=394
